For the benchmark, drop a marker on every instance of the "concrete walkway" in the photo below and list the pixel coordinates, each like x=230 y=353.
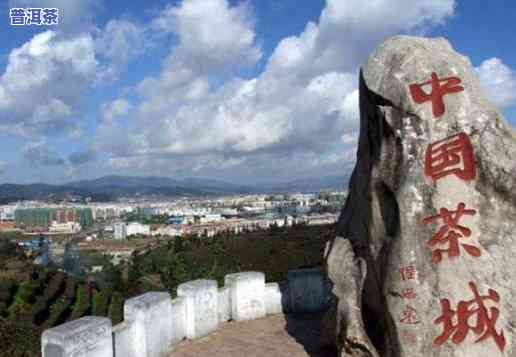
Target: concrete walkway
x=273 y=336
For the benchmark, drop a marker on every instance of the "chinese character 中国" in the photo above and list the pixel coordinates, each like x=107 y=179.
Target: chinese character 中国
x=18 y=16
x=456 y=323
x=450 y=232
x=438 y=91
x=451 y=156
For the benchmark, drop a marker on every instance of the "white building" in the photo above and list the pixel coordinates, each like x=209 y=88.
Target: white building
x=135 y=228
x=212 y=217
x=173 y=230
x=64 y=228
x=120 y=230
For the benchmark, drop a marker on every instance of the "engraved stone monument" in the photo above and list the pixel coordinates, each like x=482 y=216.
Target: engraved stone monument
x=424 y=260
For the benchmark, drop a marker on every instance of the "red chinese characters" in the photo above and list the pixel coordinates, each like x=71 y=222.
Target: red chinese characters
x=408 y=294
x=450 y=232
x=456 y=323
x=408 y=272
x=440 y=87
x=409 y=336
x=451 y=156
x=409 y=316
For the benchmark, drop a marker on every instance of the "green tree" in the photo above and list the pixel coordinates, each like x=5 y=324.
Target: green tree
x=174 y=272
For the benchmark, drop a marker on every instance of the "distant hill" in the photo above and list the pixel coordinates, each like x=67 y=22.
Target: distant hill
x=108 y=188
x=312 y=184
x=151 y=185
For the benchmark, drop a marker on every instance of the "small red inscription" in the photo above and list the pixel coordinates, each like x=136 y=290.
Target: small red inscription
x=409 y=316
x=408 y=293
x=485 y=319
x=409 y=336
x=408 y=272
x=450 y=232
x=453 y=155
x=440 y=87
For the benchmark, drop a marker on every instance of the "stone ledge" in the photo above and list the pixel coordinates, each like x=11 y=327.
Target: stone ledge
x=154 y=324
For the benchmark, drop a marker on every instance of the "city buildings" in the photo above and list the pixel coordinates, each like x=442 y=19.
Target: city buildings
x=32 y=219
x=120 y=230
x=135 y=228
x=173 y=217
x=123 y=230
x=64 y=228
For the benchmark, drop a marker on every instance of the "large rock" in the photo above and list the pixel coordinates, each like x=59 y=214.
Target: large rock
x=425 y=254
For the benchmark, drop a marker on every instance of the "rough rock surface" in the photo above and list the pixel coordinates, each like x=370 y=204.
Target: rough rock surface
x=406 y=263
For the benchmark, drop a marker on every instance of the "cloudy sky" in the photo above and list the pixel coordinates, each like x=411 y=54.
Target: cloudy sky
x=245 y=91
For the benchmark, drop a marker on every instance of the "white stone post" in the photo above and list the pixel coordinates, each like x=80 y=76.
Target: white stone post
x=86 y=337
x=247 y=295
x=150 y=315
x=274 y=299
x=178 y=320
x=224 y=304
x=123 y=340
x=201 y=307
x=308 y=290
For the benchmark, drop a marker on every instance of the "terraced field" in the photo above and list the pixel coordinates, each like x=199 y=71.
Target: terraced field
x=47 y=299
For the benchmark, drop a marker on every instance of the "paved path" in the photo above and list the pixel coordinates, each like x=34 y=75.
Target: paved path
x=273 y=336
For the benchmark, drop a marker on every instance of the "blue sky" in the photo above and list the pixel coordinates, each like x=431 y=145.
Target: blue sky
x=234 y=90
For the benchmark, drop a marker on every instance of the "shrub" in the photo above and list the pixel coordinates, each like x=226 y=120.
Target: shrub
x=60 y=308
x=26 y=291
x=71 y=286
x=19 y=339
x=6 y=287
x=99 y=303
x=115 y=308
x=82 y=303
x=40 y=309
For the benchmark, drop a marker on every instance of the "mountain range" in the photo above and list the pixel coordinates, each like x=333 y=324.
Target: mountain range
x=108 y=188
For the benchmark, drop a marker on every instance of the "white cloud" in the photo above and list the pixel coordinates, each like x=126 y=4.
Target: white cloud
x=40 y=154
x=118 y=43
x=349 y=30
x=110 y=112
x=498 y=81
x=81 y=157
x=43 y=83
x=213 y=35
x=295 y=116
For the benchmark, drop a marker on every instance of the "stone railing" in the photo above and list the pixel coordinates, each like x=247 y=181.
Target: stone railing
x=154 y=323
